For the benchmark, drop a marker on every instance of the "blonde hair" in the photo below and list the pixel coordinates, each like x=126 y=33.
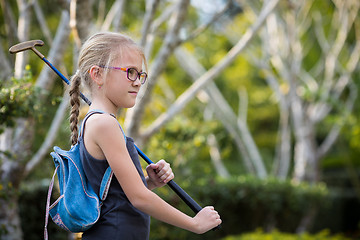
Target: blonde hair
x=100 y=49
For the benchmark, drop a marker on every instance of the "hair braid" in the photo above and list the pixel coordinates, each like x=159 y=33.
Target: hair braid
x=75 y=107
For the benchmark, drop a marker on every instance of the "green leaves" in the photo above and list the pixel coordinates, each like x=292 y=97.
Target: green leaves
x=19 y=98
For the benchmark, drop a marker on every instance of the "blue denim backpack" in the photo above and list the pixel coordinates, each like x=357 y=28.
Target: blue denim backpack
x=78 y=207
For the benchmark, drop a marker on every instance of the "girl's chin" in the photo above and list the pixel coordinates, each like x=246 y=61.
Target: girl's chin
x=128 y=105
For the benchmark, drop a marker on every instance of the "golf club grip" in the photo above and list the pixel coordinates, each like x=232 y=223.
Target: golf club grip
x=185 y=197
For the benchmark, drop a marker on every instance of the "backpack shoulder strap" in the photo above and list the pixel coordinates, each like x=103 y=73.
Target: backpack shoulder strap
x=105 y=183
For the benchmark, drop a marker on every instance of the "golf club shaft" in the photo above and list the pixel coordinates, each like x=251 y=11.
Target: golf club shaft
x=65 y=79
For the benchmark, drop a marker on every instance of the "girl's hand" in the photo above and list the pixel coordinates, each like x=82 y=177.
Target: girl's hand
x=159 y=174
x=205 y=220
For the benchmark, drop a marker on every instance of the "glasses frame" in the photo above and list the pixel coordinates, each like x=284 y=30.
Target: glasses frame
x=127 y=70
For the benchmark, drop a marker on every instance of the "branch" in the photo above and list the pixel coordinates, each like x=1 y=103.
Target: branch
x=216 y=157
x=80 y=20
x=216 y=70
x=345 y=22
x=10 y=25
x=135 y=114
x=118 y=17
x=321 y=109
x=42 y=22
x=47 y=76
x=204 y=26
x=243 y=105
x=6 y=69
x=148 y=18
x=165 y=15
x=115 y=12
x=221 y=108
x=23 y=35
x=335 y=130
x=51 y=135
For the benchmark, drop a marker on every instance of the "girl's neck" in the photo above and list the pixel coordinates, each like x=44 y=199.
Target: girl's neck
x=95 y=105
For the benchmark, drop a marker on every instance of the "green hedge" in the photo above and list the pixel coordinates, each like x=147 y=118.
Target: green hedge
x=32 y=211
x=246 y=203
x=276 y=235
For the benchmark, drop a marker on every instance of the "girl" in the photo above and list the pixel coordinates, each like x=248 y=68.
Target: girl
x=110 y=64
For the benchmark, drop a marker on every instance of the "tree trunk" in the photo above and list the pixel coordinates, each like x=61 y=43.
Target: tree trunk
x=9 y=217
x=18 y=143
x=134 y=115
x=216 y=157
x=212 y=73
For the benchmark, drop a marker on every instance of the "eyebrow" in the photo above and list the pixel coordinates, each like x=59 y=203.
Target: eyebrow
x=131 y=66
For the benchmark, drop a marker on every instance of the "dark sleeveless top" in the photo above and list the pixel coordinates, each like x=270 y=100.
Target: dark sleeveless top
x=119 y=219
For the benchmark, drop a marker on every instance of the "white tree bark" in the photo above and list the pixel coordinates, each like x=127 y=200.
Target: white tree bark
x=23 y=35
x=6 y=71
x=10 y=22
x=234 y=125
x=284 y=51
x=50 y=136
x=191 y=92
x=215 y=156
x=151 y=7
x=47 y=76
x=18 y=141
x=42 y=21
x=114 y=16
x=134 y=115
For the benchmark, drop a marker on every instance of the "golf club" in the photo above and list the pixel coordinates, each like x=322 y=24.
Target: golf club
x=30 y=45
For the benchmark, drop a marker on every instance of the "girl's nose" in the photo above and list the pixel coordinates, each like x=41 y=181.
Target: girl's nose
x=137 y=82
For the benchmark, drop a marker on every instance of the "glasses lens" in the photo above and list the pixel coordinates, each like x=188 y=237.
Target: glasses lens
x=143 y=77
x=132 y=74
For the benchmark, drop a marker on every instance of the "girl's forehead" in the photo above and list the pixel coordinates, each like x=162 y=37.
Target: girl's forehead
x=129 y=57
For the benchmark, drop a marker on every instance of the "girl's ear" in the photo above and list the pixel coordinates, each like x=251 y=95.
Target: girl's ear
x=96 y=74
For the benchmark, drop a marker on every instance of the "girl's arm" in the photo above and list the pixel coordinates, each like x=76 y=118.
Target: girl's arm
x=107 y=136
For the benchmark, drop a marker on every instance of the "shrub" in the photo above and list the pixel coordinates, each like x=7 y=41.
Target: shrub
x=276 y=235
x=32 y=201
x=246 y=203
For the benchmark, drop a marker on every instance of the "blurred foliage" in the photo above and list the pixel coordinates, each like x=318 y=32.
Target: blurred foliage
x=19 y=98
x=276 y=235
x=246 y=203
x=32 y=211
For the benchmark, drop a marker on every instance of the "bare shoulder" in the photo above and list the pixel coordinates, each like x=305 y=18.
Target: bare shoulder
x=102 y=136
x=102 y=124
x=101 y=120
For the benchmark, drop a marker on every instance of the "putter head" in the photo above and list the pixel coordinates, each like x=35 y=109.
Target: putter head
x=25 y=46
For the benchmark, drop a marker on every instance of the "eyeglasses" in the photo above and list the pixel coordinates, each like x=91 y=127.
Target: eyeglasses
x=131 y=73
